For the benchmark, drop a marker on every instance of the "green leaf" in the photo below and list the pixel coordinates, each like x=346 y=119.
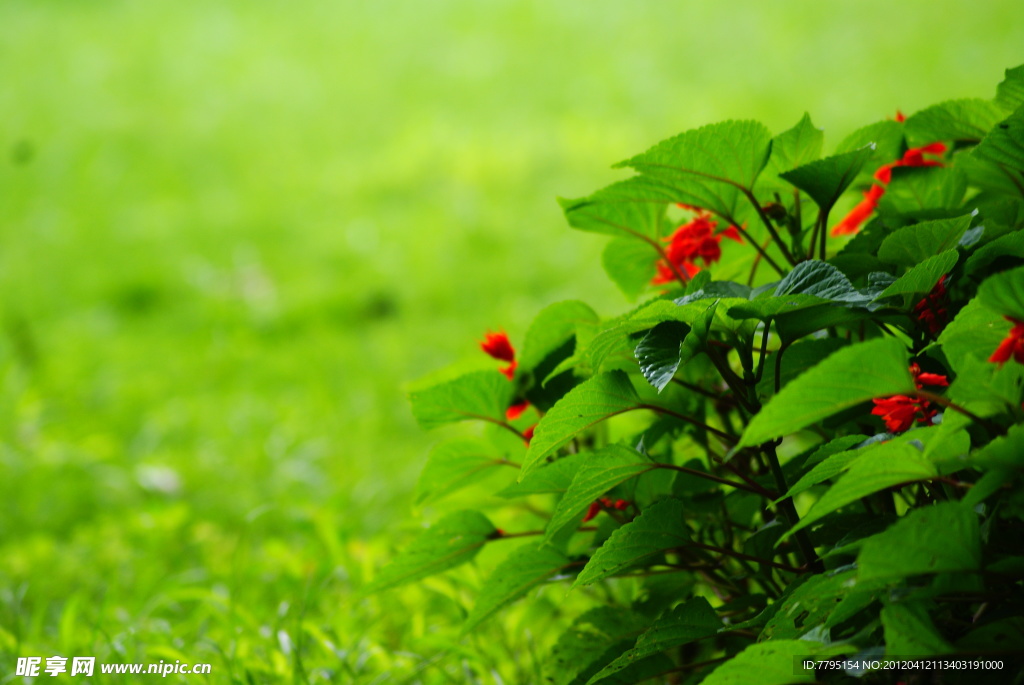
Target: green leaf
x=600 y=472
x=848 y=377
x=765 y=308
x=1010 y=93
x=672 y=344
x=909 y=631
x=551 y=478
x=826 y=179
x=941 y=538
x=875 y=469
x=975 y=333
x=1005 y=452
x=963 y=121
x=817 y=278
x=551 y=328
x=586 y=405
x=1003 y=151
x=450 y=542
x=924 y=191
x=657 y=529
x=823 y=471
x=987 y=389
x=453 y=465
x=708 y=166
x=482 y=395
x=592 y=641
x=796 y=147
x=774 y=662
x=922 y=278
x=1007 y=246
x=1004 y=293
x=797 y=358
x=682 y=625
x=809 y=607
x=793 y=326
x=630 y=264
x=631 y=208
x=913 y=244
x=524 y=569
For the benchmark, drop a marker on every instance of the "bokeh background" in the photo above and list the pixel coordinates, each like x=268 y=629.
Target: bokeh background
x=232 y=232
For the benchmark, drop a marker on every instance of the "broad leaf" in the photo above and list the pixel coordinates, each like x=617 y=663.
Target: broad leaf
x=809 y=607
x=774 y=662
x=1010 y=93
x=453 y=465
x=1004 y=293
x=450 y=542
x=975 y=333
x=1005 y=452
x=600 y=472
x=922 y=278
x=524 y=569
x=941 y=538
x=881 y=467
x=551 y=329
x=910 y=632
x=551 y=478
x=1004 y=248
x=795 y=147
x=586 y=405
x=823 y=471
x=672 y=344
x=630 y=208
x=657 y=529
x=962 y=121
x=708 y=166
x=481 y=395
x=826 y=179
x=848 y=377
x=592 y=641
x=924 y=192
x=1003 y=151
x=686 y=623
x=797 y=359
x=630 y=264
x=886 y=136
x=817 y=278
x=914 y=244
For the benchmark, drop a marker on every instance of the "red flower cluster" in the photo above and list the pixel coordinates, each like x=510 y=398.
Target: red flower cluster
x=690 y=242
x=498 y=346
x=931 y=311
x=914 y=157
x=604 y=503
x=1012 y=345
x=900 y=411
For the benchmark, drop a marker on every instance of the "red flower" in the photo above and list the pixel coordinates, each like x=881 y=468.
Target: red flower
x=914 y=157
x=528 y=434
x=690 y=242
x=516 y=410
x=899 y=412
x=593 y=510
x=604 y=503
x=931 y=310
x=1012 y=345
x=498 y=346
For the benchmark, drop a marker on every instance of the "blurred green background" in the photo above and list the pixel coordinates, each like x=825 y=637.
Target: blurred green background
x=230 y=232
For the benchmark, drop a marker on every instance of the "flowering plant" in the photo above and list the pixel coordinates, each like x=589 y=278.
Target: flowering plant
x=820 y=457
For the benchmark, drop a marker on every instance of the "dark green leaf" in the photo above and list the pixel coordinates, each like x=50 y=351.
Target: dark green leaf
x=672 y=344
x=450 y=542
x=591 y=642
x=1004 y=247
x=1004 y=293
x=1002 y=150
x=826 y=179
x=586 y=405
x=809 y=607
x=975 y=333
x=687 y=622
x=771 y=663
x=874 y=469
x=817 y=278
x=924 y=192
x=481 y=395
x=1005 y=452
x=600 y=472
x=966 y=120
x=524 y=569
x=940 y=538
x=848 y=377
x=453 y=465
x=909 y=631
x=922 y=278
x=913 y=244
x=552 y=328
x=797 y=358
x=886 y=136
x=707 y=167
x=657 y=529
x=771 y=307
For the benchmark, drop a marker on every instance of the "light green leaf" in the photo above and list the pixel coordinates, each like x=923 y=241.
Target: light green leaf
x=796 y=147
x=551 y=328
x=453 y=465
x=874 y=469
x=1004 y=293
x=962 y=121
x=481 y=395
x=657 y=529
x=630 y=264
x=886 y=136
x=600 y=472
x=586 y=405
x=941 y=538
x=909 y=631
x=1010 y=93
x=826 y=179
x=848 y=377
x=924 y=191
x=769 y=307
x=975 y=333
x=524 y=569
x=551 y=478
x=913 y=244
x=774 y=662
x=631 y=208
x=450 y=542
x=922 y=278
x=1002 y=150
x=708 y=166
x=685 y=623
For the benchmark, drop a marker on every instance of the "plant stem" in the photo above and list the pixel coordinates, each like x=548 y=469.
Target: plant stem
x=755 y=488
x=810 y=557
x=768 y=224
x=747 y=557
x=725 y=437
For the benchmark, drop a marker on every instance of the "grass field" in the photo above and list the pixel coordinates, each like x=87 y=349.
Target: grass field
x=230 y=233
